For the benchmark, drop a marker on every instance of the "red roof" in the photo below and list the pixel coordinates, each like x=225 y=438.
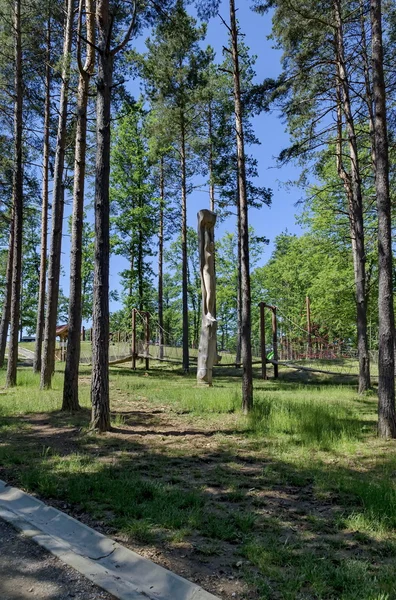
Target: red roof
x=62 y=330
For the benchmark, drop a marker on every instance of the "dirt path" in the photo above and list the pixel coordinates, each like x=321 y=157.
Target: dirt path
x=27 y=571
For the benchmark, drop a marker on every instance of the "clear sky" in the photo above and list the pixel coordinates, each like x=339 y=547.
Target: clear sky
x=269 y=129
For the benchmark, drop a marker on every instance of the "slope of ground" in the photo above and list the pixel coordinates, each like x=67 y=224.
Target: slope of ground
x=297 y=501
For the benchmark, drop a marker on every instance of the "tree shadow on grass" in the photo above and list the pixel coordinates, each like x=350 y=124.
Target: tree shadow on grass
x=232 y=514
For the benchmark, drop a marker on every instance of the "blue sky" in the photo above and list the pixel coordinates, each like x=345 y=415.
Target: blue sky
x=269 y=129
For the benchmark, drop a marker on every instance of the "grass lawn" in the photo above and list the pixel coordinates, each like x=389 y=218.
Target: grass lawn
x=297 y=501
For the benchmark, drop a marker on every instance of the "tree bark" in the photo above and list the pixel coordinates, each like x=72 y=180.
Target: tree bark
x=161 y=262
x=70 y=386
x=100 y=329
x=247 y=376
x=5 y=316
x=211 y=158
x=17 y=194
x=186 y=358
x=44 y=208
x=386 y=359
x=355 y=208
x=239 y=290
x=48 y=365
x=367 y=79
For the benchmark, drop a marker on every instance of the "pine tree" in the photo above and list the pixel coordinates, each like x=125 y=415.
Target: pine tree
x=323 y=76
x=134 y=205
x=386 y=360
x=173 y=70
x=70 y=386
x=48 y=363
x=17 y=200
x=44 y=209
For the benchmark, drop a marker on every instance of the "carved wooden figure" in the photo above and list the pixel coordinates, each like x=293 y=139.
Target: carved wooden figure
x=207 y=352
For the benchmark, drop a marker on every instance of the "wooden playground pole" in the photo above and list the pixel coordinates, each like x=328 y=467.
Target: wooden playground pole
x=147 y=340
x=134 y=339
x=309 y=348
x=262 y=341
x=275 y=341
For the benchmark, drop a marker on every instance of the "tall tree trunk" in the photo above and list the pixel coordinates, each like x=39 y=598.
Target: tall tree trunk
x=140 y=270
x=211 y=169
x=17 y=203
x=100 y=323
x=48 y=365
x=247 y=376
x=386 y=359
x=355 y=207
x=367 y=78
x=100 y=329
x=161 y=262
x=70 y=386
x=186 y=358
x=239 y=287
x=44 y=208
x=5 y=316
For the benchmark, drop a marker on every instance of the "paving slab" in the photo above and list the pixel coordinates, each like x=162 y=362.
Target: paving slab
x=118 y=570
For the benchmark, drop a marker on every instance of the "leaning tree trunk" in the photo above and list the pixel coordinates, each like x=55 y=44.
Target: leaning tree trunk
x=70 y=386
x=44 y=207
x=48 y=365
x=186 y=358
x=247 y=376
x=17 y=197
x=5 y=316
x=386 y=359
x=355 y=208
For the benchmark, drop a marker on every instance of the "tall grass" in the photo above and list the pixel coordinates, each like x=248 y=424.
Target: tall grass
x=306 y=421
x=28 y=398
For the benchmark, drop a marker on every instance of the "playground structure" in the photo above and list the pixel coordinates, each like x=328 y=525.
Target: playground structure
x=278 y=343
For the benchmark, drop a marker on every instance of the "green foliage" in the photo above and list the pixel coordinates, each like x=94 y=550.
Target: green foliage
x=310 y=266
x=134 y=206
x=173 y=289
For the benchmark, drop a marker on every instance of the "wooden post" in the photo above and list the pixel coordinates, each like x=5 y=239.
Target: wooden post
x=134 y=339
x=309 y=346
x=83 y=334
x=262 y=341
x=275 y=341
x=147 y=340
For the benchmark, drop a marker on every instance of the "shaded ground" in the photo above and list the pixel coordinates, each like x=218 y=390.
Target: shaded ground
x=289 y=516
x=27 y=571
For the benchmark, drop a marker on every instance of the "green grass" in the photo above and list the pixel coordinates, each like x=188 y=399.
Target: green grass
x=300 y=494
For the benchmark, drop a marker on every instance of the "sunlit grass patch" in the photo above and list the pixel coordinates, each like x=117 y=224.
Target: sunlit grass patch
x=306 y=420
x=27 y=397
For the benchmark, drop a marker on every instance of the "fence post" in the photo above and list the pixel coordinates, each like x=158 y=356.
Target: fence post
x=134 y=339
x=262 y=341
x=147 y=340
x=275 y=341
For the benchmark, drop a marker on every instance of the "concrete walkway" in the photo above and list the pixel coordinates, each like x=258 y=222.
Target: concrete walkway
x=28 y=572
x=116 y=569
x=29 y=354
